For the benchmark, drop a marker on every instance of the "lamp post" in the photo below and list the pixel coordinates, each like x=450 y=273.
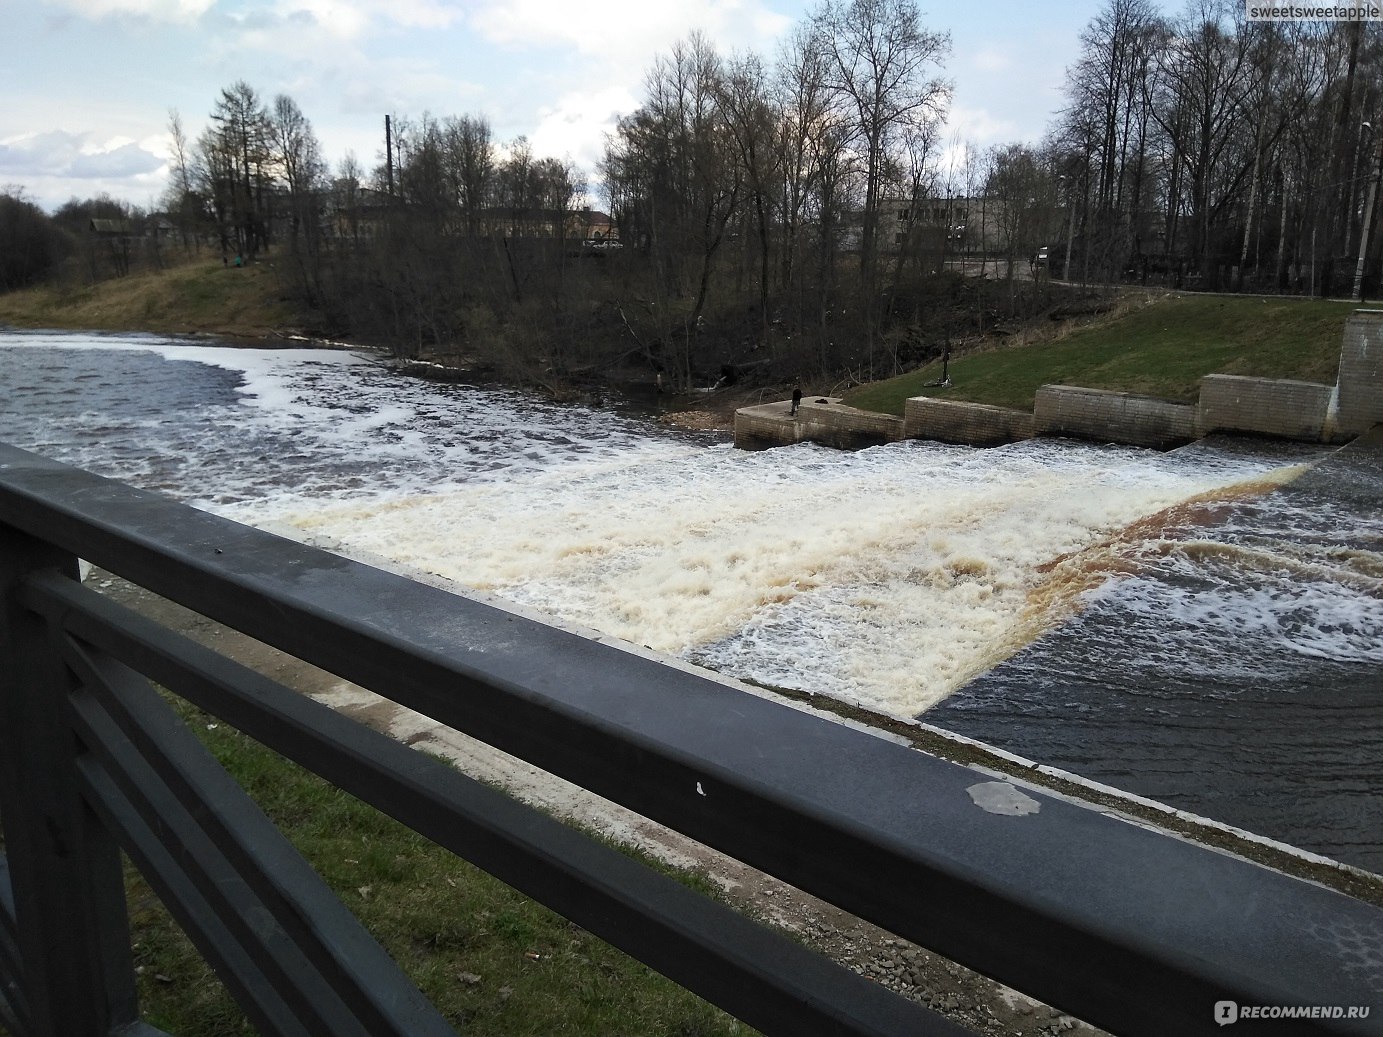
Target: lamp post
x=1358 y=294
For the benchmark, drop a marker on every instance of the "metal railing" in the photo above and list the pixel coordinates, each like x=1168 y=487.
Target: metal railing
x=1136 y=931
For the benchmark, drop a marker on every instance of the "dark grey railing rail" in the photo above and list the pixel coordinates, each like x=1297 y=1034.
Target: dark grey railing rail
x=1133 y=930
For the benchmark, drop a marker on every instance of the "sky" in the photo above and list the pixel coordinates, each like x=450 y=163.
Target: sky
x=87 y=86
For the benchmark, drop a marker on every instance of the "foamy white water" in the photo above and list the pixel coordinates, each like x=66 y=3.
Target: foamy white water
x=1165 y=623
x=888 y=576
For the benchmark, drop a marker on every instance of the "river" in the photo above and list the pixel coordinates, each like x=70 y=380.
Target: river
x=1189 y=626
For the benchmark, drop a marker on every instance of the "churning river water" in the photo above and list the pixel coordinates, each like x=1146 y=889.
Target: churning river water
x=1191 y=626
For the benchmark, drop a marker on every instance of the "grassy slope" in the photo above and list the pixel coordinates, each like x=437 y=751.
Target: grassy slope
x=199 y=295
x=1160 y=349
x=491 y=960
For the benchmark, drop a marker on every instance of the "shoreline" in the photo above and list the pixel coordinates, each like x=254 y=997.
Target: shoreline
x=696 y=411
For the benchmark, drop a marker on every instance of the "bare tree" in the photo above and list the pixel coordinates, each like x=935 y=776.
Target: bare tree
x=752 y=119
x=299 y=158
x=471 y=160
x=1017 y=186
x=883 y=63
x=805 y=110
x=31 y=245
x=673 y=171
x=180 y=199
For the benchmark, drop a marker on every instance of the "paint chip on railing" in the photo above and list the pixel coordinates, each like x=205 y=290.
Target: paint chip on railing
x=1002 y=797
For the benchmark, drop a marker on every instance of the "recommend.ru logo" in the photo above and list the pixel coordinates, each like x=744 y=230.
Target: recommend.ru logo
x=1227 y=1012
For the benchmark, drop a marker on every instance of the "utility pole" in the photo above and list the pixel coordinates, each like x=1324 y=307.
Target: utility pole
x=389 y=155
x=1358 y=295
x=1070 y=226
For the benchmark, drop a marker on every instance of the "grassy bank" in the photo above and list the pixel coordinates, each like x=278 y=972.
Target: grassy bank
x=197 y=295
x=1159 y=348
x=493 y=961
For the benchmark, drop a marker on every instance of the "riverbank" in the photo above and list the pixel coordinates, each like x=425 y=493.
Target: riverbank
x=196 y=296
x=1152 y=344
x=1158 y=345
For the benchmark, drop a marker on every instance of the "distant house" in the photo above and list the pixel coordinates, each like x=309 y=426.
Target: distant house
x=928 y=225
x=585 y=224
x=591 y=225
x=112 y=237
x=355 y=214
x=106 y=230
x=360 y=214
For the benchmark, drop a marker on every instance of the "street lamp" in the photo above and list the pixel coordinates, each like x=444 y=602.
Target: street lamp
x=1358 y=295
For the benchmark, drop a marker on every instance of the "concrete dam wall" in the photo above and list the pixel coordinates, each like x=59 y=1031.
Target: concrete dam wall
x=1304 y=411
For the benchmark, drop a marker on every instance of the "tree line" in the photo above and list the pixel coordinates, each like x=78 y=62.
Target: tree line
x=751 y=217
x=1209 y=151
x=803 y=214
x=84 y=240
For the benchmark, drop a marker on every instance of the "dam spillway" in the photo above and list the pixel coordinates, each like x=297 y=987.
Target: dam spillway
x=892 y=577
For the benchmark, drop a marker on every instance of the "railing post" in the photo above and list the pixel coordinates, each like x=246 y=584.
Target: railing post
x=77 y=975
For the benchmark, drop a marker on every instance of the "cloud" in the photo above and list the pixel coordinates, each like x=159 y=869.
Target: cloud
x=125 y=160
x=576 y=125
x=992 y=59
x=615 y=28
x=979 y=125
x=352 y=19
x=343 y=19
x=76 y=156
x=153 y=10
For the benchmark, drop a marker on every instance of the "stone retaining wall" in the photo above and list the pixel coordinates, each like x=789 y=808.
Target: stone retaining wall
x=757 y=428
x=971 y=424
x=847 y=428
x=1361 y=374
x=1113 y=417
x=1293 y=410
x=1264 y=406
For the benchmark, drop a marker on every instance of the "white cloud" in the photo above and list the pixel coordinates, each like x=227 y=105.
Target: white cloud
x=55 y=166
x=576 y=125
x=992 y=59
x=156 y=10
x=76 y=156
x=980 y=126
x=351 y=19
x=621 y=29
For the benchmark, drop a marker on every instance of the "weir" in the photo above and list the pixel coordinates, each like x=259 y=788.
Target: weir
x=1124 y=926
x=1302 y=411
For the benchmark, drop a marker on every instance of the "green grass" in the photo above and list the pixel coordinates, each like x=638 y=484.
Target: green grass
x=445 y=922
x=1160 y=349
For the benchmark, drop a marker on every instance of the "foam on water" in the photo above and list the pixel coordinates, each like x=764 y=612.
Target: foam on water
x=255 y=432
x=1175 y=624
x=888 y=576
